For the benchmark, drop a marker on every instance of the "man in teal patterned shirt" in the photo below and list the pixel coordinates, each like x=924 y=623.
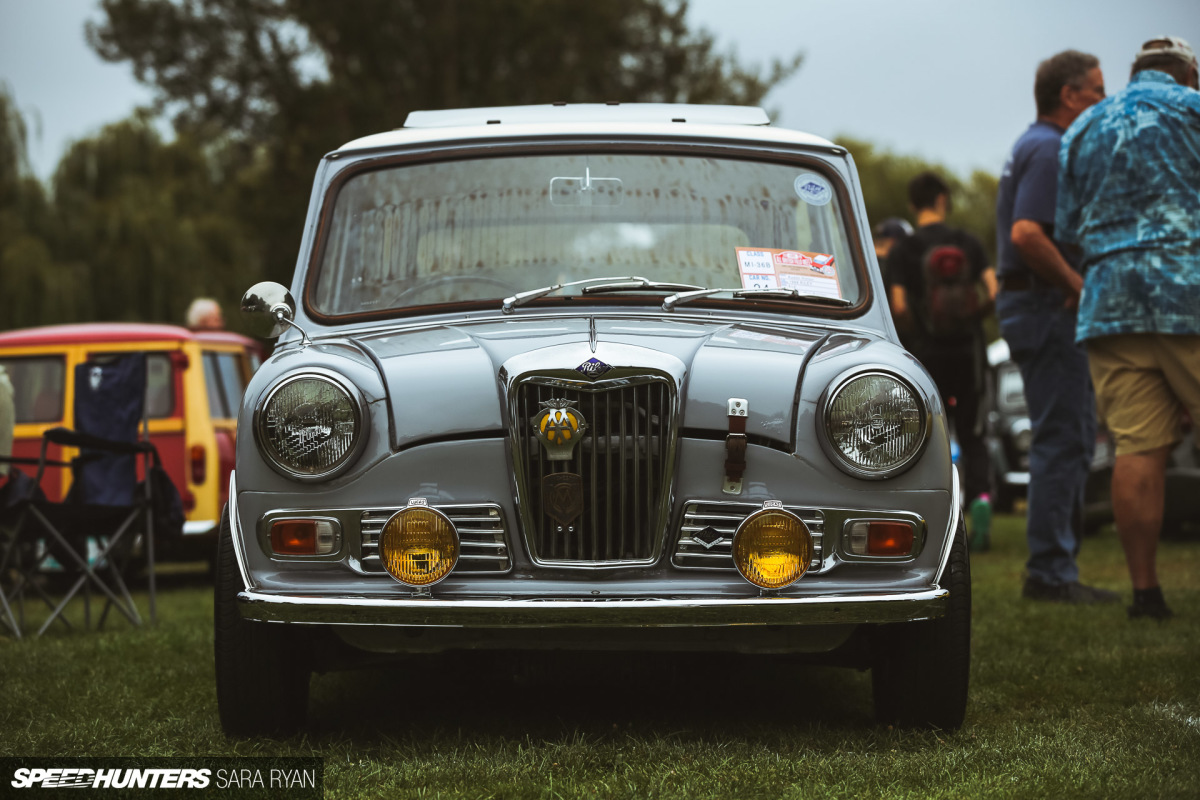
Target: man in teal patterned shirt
x=1129 y=198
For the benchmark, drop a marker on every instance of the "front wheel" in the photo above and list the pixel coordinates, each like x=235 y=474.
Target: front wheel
x=262 y=672
x=920 y=670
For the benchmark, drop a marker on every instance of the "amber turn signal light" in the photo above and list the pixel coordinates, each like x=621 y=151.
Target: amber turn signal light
x=419 y=546
x=772 y=548
x=304 y=537
x=879 y=537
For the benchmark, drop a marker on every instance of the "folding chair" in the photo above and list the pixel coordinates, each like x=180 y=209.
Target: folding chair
x=104 y=504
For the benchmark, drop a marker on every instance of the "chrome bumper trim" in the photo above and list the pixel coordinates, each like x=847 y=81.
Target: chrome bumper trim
x=613 y=613
x=235 y=528
x=952 y=528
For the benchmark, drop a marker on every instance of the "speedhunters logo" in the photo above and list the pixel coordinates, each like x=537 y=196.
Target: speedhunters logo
x=161 y=777
x=75 y=778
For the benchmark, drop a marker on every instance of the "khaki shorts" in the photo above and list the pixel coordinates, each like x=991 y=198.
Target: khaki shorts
x=1143 y=383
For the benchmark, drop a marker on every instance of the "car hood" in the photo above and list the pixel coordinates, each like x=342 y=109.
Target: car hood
x=450 y=381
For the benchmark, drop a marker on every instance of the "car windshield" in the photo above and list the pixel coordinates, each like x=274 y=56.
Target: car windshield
x=485 y=229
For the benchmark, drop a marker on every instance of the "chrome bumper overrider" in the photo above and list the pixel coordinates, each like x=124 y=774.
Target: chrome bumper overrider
x=613 y=613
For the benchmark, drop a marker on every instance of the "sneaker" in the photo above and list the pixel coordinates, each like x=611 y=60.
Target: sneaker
x=1072 y=592
x=1158 y=611
x=981 y=524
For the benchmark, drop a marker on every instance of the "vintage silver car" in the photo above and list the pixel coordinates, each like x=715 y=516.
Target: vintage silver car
x=609 y=377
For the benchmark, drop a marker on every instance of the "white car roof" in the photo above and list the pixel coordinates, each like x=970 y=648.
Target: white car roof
x=664 y=120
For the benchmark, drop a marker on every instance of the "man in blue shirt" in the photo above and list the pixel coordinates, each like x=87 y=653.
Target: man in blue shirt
x=1039 y=290
x=1129 y=198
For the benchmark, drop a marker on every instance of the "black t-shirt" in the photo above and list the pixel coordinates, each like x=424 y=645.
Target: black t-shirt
x=906 y=268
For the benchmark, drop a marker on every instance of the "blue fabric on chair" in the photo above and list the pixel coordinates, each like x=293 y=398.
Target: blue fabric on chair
x=109 y=399
x=106 y=506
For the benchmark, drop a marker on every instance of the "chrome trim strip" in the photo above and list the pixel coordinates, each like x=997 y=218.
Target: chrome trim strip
x=610 y=613
x=955 y=515
x=235 y=529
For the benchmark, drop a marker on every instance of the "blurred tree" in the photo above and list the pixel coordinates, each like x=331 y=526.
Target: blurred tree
x=154 y=222
x=885 y=175
x=293 y=79
x=35 y=288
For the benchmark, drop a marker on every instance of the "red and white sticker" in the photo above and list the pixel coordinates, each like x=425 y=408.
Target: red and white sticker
x=804 y=271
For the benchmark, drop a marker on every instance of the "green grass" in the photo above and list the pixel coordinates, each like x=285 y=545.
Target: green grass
x=1065 y=702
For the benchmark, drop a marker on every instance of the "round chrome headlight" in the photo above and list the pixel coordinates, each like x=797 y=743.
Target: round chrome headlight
x=875 y=425
x=309 y=426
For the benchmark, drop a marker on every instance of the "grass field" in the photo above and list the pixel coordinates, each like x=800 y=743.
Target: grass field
x=1065 y=702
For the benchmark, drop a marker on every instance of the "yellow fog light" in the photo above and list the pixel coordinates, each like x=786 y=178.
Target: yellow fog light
x=772 y=548
x=418 y=546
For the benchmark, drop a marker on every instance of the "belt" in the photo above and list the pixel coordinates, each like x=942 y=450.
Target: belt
x=1020 y=282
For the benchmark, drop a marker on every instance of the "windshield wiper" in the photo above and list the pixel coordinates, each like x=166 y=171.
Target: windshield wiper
x=638 y=284
x=669 y=303
x=613 y=284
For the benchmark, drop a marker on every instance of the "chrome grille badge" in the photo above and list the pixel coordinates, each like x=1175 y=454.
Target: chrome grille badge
x=559 y=426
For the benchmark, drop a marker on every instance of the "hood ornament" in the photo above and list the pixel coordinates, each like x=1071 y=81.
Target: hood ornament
x=559 y=426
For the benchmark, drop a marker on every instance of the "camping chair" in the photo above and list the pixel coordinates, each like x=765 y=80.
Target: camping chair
x=105 y=502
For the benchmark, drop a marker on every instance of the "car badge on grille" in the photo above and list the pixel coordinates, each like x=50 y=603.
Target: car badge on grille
x=593 y=368
x=709 y=538
x=562 y=497
x=559 y=426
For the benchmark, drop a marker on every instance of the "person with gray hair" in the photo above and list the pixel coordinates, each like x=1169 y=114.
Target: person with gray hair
x=1039 y=291
x=1129 y=198
x=204 y=314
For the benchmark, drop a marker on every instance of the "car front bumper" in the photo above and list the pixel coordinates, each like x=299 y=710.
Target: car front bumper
x=598 y=613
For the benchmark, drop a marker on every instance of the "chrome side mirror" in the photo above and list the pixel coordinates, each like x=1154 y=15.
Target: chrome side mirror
x=269 y=310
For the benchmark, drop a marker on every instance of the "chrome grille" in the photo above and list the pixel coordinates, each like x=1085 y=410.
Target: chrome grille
x=482 y=538
x=623 y=460
x=723 y=519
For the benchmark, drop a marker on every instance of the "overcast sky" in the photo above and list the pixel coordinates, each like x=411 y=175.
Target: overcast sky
x=950 y=80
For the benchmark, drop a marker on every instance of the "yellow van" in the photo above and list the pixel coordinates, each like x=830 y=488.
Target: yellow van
x=194 y=386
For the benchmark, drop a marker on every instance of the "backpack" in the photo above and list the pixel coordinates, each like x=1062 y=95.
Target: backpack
x=953 y=303
x=168 y=505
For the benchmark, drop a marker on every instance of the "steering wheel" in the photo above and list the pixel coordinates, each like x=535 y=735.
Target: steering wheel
x=446 y=281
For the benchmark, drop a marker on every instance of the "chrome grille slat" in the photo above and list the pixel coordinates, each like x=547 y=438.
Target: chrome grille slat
x=699 y=516
x=483 y=538
x=622 y=461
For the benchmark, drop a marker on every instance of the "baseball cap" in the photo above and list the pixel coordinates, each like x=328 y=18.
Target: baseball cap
x=892 y=228
x=1167 y=46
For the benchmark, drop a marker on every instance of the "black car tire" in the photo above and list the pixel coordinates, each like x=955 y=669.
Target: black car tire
x=920 y=670
x=262 y=672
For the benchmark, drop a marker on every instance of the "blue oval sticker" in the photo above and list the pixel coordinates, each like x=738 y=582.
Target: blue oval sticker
x=813 y=189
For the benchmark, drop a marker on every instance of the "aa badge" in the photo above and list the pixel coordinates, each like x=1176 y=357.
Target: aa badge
x=562 y=497
x=559 y=426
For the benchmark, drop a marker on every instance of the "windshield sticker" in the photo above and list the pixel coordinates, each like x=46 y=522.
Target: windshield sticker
x=807 y=273
x=813 y=189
